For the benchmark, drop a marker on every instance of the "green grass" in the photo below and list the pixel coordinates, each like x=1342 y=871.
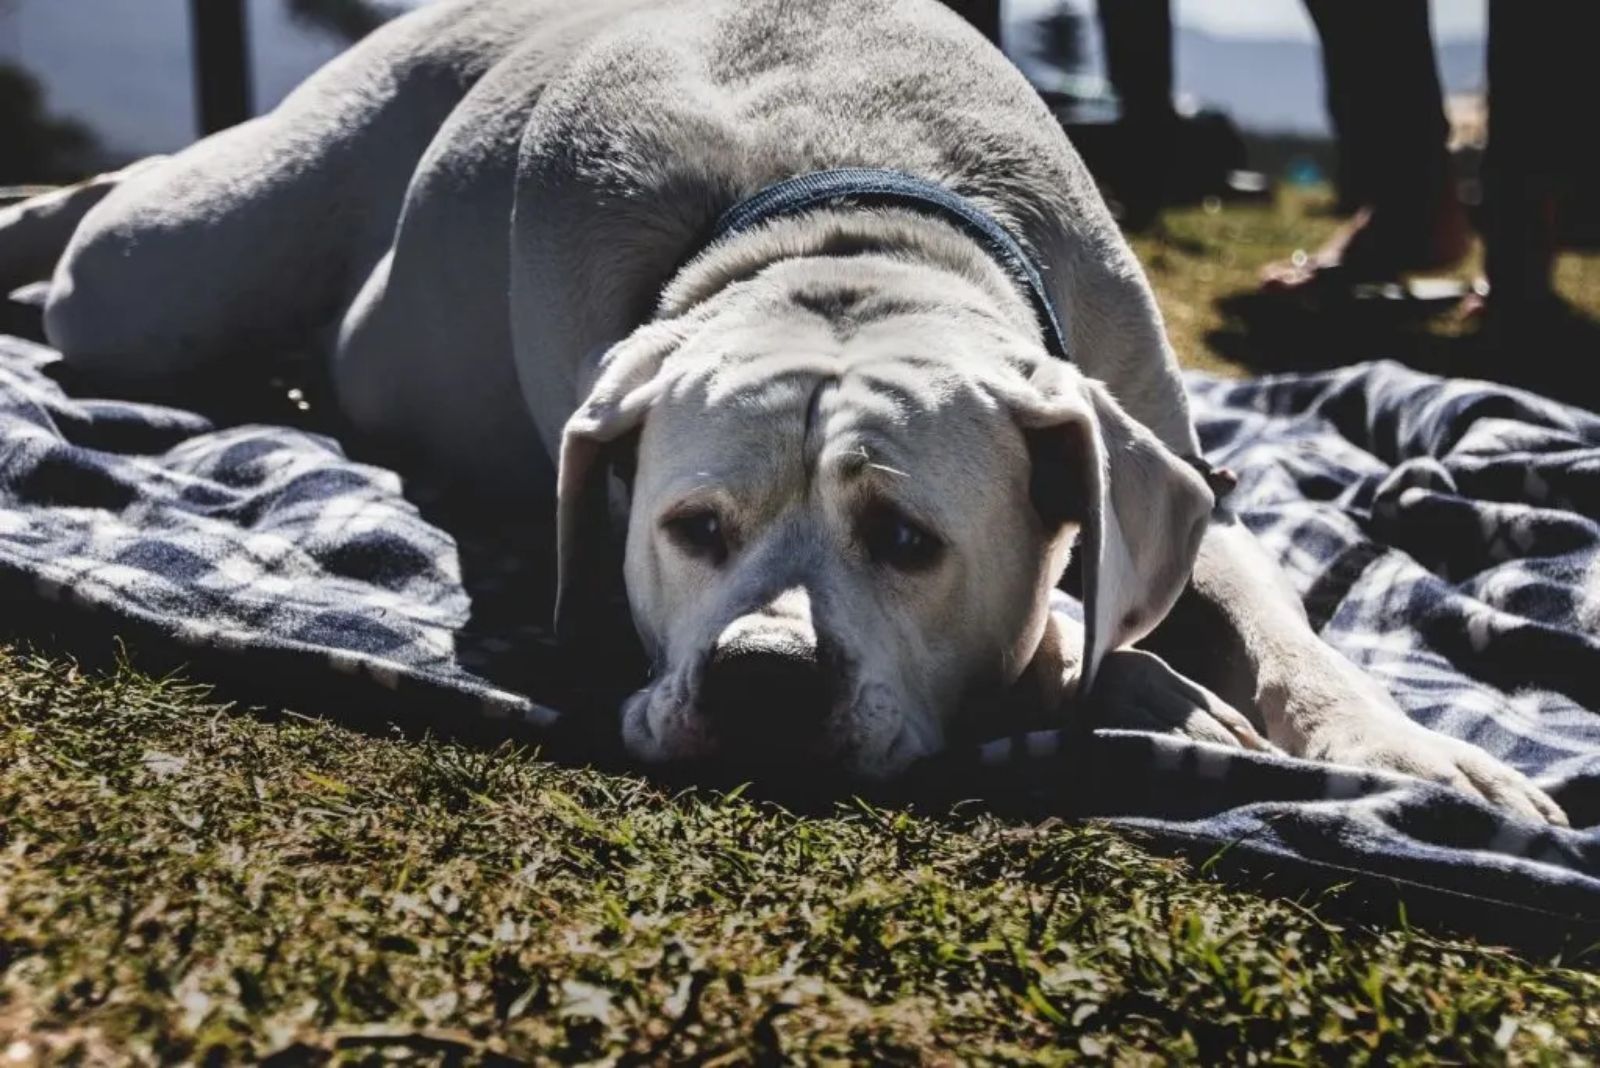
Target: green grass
x=181 y=880
x=1202 y=253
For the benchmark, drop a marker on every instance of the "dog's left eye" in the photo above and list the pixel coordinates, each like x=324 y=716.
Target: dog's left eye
x=699 y=533
x=893 y=540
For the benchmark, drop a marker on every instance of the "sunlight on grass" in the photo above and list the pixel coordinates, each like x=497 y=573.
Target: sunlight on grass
x=1201 y=254
x=182 y=881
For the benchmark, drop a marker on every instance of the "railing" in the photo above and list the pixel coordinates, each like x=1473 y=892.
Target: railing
x=219 y=39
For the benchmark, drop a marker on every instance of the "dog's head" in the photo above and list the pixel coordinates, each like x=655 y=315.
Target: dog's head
x=852 y=491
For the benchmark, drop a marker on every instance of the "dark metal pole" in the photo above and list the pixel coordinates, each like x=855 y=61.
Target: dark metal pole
x=984 y=14
x=218 y=38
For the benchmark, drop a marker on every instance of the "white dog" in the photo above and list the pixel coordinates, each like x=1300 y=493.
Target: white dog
x=854 y=466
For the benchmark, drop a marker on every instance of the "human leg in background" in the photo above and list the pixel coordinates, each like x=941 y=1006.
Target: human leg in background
x=1387 y=109
x=1138 y=52
x=1539 y=158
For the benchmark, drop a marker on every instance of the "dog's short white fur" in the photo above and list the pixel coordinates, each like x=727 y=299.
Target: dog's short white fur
x=855 y=471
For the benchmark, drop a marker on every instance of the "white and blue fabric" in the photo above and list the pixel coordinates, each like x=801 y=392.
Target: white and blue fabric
x=260 y=552
x=1445 y=535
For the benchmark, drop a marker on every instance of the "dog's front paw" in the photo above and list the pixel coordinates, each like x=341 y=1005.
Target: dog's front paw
x=1410 y=749
x=1140 y=691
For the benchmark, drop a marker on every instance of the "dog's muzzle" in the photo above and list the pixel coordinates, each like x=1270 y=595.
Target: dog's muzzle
x=758 y=694
x=767 y=685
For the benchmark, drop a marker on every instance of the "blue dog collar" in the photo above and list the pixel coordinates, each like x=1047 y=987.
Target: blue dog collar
x=871 y=187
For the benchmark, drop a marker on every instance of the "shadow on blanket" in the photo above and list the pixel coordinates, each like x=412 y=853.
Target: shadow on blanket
x=1445 y=535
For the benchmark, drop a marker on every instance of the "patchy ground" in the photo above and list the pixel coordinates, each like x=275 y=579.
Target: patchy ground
x=185 y=881
x=1205 y=261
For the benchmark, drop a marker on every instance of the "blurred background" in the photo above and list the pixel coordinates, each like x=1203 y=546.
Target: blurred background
x=88 y=84
x=113 y=78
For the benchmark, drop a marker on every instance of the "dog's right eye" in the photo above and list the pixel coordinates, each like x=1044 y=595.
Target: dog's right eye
x=698 y=533
x=894 y=540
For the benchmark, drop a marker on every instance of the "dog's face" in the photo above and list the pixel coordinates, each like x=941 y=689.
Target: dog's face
x=849 y=505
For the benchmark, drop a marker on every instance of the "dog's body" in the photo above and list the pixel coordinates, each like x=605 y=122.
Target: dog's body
x=472 y=126
x=493 y=212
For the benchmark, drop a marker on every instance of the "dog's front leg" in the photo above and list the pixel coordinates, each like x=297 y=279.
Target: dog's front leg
x=1241 y=630
x=1136 y=690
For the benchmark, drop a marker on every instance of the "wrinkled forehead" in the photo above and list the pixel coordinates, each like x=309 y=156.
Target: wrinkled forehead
x=924 y=433
x=739 y=402
x=900 y=404
x=706 y=433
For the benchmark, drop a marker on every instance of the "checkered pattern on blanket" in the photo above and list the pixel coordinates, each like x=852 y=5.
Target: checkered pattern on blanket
x=1445 y=535
x=263 y=544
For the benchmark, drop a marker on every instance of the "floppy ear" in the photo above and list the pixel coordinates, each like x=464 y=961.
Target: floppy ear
x=1141 y=509
x=629 y=382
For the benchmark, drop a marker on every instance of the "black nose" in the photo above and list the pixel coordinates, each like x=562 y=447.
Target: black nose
x=755 y=695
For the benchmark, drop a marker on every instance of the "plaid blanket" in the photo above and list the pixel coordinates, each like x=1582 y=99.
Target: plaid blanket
x=1445 y=535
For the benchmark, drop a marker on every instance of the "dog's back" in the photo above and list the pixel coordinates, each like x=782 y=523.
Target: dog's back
x=374 y=204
